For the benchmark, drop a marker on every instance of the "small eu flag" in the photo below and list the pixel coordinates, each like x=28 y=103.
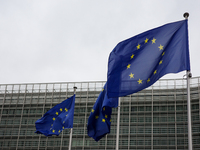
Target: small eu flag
x=57 y=118
x=99 y=120
x=138 y=62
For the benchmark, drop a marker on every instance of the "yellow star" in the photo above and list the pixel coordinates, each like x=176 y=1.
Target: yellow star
x=56 y=113
x=104 y=109
x=163 y=53
x=66 y=115
x=110 y=120
x=155 y=71
x=63 y=121
x=51 y=124
x=139 y=81
x=148 y=80
x=60 y=109
x=96 y=117
x=63 y=127
x=132 y=56
x=160 y=62
x=92 y=110
x=54 y=119
x=59 y=131
x=66 y=109
x=161 y=47
x=138 y=47
x=53 y=131
x=146 y=41
x=129 y=65
x=131 y=75
x=106 y=116
x=153 y=41
x=103 y=120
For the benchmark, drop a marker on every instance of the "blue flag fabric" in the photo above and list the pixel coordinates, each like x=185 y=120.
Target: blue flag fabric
x=138 y=62
x=99 y=120
x=57 y=118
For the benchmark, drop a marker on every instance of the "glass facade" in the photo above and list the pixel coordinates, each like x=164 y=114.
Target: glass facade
x=152 y=119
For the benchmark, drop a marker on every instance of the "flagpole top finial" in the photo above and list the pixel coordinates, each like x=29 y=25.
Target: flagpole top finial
x=186 y=15
x=75 y=89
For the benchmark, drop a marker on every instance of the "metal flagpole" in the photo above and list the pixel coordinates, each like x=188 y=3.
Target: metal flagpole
x=118 y=121
x=70 y=139
x=189 y=112
x=189 y=75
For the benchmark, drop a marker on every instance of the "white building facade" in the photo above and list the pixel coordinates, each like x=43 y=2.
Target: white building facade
x=152 y=119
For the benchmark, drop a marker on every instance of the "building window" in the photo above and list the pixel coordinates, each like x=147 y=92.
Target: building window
x=148 y=119
x=148 y=108
x=21 y=143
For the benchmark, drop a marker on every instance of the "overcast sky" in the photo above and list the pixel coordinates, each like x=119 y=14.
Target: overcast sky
x=70 y=41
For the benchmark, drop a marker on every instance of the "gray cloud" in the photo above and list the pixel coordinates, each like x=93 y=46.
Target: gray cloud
x=53 y=41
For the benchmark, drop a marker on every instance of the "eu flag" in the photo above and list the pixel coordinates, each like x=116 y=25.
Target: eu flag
x=99 y=120
x=138 y=62
x=57 y=118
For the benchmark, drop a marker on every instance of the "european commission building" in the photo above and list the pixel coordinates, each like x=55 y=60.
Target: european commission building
x=152 y=119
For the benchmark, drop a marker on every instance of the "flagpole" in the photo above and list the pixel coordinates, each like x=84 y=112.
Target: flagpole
x=71 y=130
x=189 y=75
x=189 y=112
x=118 y=121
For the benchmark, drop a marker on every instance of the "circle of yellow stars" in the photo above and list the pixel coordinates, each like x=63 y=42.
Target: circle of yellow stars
x=57 y=113
x=161 y=47
x=97 y=117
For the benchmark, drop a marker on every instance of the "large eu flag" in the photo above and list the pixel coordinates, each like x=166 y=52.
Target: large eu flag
x=138 y=62
x=57 y=118
x=99 y=120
